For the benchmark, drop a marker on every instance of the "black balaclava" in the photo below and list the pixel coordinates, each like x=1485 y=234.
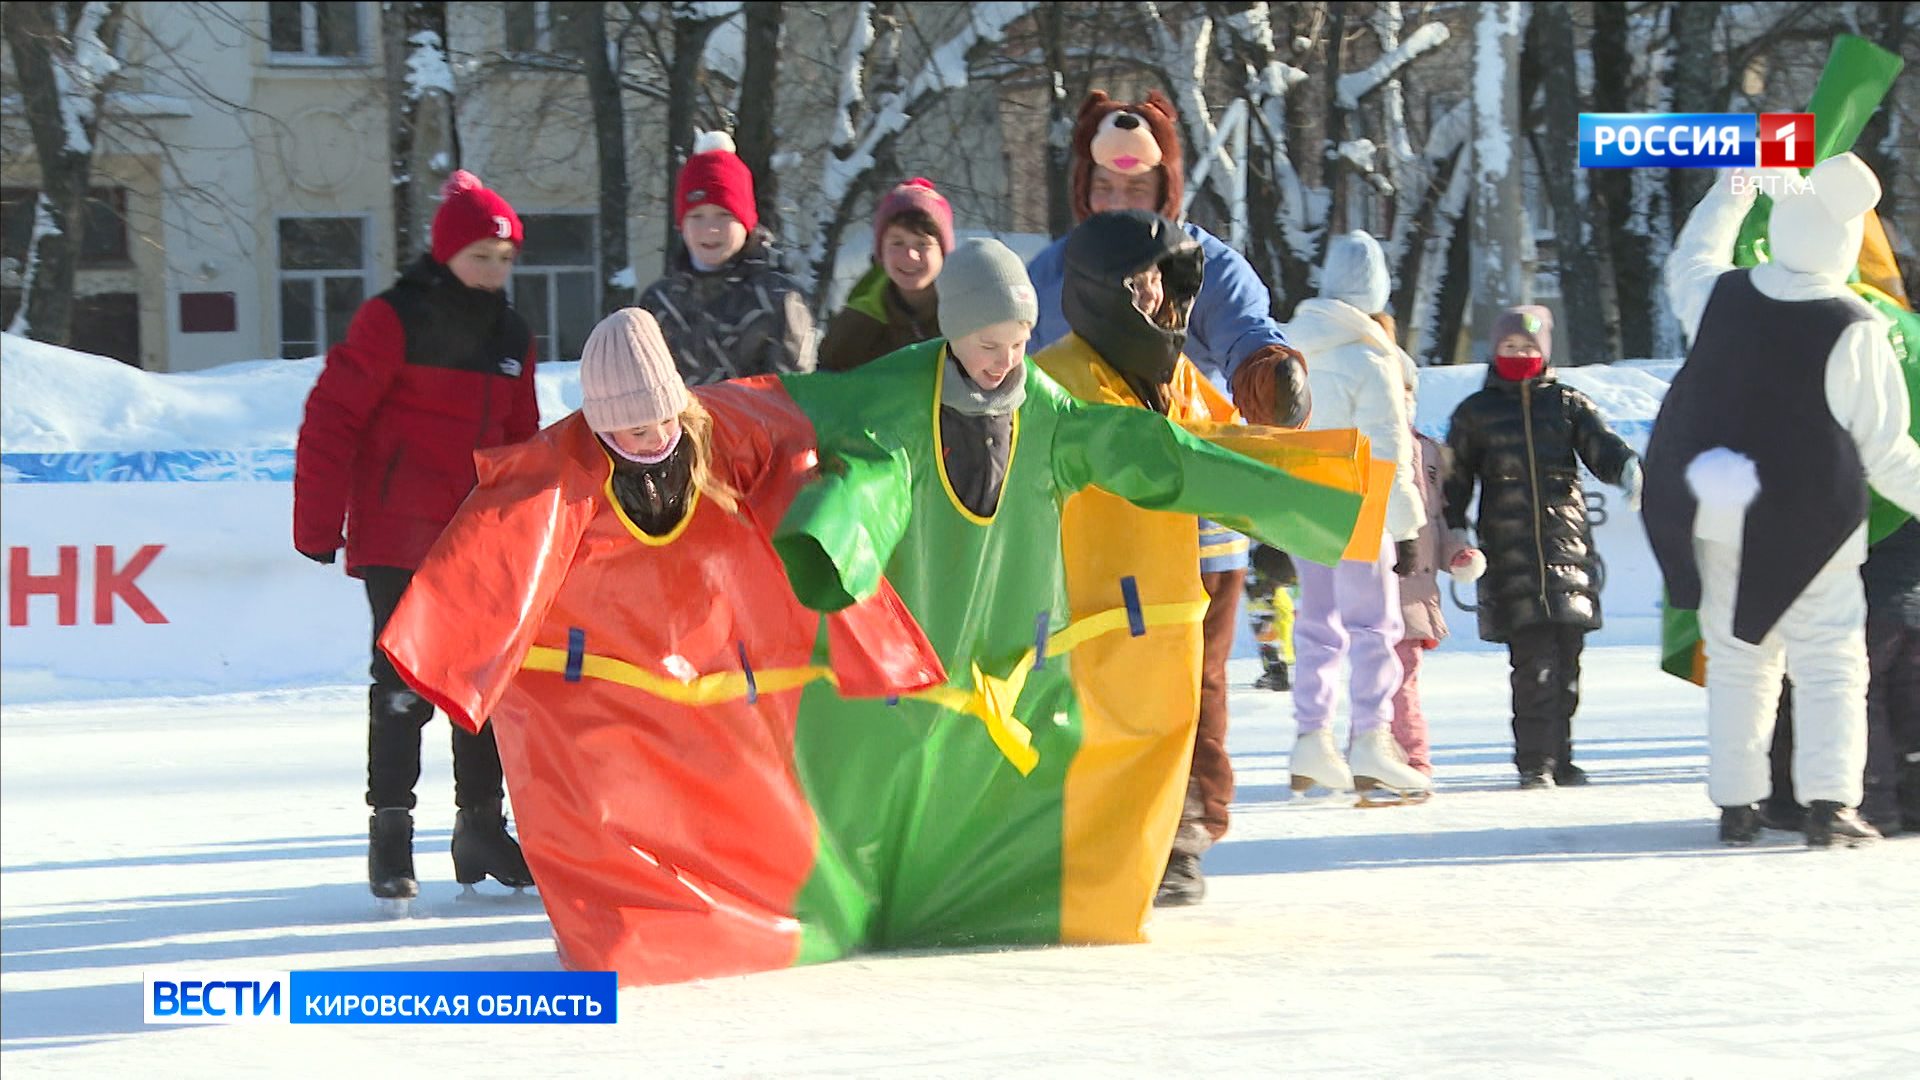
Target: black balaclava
x=1102 y=253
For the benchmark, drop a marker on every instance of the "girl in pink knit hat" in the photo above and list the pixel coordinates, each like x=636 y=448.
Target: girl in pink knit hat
x=611 y=595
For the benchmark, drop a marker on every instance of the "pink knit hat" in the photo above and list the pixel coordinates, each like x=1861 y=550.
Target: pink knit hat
x=915 y=194
x=627 y=377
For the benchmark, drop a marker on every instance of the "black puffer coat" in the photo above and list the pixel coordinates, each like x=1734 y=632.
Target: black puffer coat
x=1518 y=441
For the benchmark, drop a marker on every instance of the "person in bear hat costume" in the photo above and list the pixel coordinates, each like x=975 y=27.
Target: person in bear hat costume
x=1790 y=404
x=431 y=370
x=1127 y=156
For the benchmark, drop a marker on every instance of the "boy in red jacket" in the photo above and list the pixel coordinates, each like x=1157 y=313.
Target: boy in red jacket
x=431 y=370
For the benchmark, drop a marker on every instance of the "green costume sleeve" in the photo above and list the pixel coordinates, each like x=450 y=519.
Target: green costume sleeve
x=1152 y=463
x=841 y=529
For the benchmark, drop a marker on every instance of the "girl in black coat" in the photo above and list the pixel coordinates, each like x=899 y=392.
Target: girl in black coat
x=1522 y=439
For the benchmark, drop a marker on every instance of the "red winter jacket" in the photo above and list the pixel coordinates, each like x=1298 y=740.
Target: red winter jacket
x=430 y=371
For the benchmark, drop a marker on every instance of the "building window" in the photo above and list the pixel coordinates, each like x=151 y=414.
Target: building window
x=319 y=30
x=537 y=27
x=323 y=279
x=555 y=283
x=103 y=230
x=108 y=324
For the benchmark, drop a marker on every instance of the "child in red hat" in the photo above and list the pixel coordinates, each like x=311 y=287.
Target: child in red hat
x=431 y=370
x=725 y=309
x=895 y=305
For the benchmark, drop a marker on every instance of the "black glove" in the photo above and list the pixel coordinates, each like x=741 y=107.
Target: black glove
x=1406 y=556
x=324 y=558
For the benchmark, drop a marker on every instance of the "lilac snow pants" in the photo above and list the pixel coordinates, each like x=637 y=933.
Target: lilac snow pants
x=1350 y=610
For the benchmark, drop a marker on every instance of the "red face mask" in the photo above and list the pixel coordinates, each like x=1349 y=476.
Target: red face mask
x=1519 y=368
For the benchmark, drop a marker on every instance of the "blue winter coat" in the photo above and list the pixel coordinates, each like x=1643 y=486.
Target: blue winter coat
x=1231 y=319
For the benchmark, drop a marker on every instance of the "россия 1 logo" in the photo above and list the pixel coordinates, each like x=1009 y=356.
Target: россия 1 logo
x=1695 y=140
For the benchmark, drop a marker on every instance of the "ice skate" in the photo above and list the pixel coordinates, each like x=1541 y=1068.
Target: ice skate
x=1828 y=822
x=1276 y=677
x=1315 y=763
x=1570 y=775
x=1782 y=815
x=483 y=848
x=390 y=857
x=1739 y=825
x=1536 y=779
x=1182 y=885
x=1381 y=774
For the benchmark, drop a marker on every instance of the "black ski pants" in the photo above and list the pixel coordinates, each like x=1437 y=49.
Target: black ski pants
x=396 y=715
x=1545 y=658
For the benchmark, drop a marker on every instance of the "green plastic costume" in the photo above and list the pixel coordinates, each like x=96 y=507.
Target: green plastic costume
x=930 y=833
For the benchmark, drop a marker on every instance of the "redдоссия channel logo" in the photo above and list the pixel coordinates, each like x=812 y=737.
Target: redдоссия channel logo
x=1695 y=140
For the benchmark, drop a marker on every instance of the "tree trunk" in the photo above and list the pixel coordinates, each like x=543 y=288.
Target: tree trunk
x=1586 y=339
x=1625 y=240
x=757 y=101
x=1695 y=90
x=1337 y=124
x=1455 y=289
x=1061 y=113
x=587 y=25
x=420 y=135
x=690 y=33
x=39 y=38
x=1499 y=212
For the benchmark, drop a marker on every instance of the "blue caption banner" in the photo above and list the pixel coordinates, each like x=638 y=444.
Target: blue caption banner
x=1669 y=140
x=454 y=997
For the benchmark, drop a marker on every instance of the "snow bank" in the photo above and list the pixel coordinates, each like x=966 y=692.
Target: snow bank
x=147 y=524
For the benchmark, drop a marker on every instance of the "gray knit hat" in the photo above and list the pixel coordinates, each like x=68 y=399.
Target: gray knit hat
x=983 y=283
x=627 y=377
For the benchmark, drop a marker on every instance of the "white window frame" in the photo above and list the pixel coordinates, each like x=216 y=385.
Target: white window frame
x=318 y=279
x=308 y=56
x=545 y=343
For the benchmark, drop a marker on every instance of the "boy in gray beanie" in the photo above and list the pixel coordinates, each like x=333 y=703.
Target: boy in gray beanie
x=987 y=309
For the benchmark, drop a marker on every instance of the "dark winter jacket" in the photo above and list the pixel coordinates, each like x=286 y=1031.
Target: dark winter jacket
x=1523 y=444
x=430 y=371
x=1892 y=576
x=746 y=318
x=875 y=322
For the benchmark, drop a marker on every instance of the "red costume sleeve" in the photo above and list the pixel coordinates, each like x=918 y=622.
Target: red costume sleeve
x=463 y=628
x=357 y=374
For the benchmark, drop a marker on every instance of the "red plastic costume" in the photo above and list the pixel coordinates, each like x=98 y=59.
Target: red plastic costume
x=643 y=689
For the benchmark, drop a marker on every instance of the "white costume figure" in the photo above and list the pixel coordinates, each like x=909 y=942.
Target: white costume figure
x=1791 y=402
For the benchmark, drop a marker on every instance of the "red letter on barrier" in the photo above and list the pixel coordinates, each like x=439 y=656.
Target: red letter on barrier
x=109 y=583
x=65 y=585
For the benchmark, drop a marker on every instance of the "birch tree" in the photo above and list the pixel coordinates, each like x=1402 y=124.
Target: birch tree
x=422 y=141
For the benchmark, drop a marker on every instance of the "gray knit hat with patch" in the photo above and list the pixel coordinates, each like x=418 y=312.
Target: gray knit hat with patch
x=983 y=283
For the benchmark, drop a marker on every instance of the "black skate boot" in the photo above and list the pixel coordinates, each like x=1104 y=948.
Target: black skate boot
x=1276 y=677
x=1739 y=825
x=1182 y=885
x=390 y=854
x=483 y=848
x=1829 y=821
x=1537 y=778
x=1783 y=815
x=1570 y=775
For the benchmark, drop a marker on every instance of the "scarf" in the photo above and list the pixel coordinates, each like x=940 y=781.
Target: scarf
x=965 y=396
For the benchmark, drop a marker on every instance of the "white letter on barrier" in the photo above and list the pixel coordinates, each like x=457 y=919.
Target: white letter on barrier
x=1602 y=135
x=1730 y=141
x=459 y=1004
x=485 y=1005
x=541 y=1005
x=593 y=1006
x=1653 y=140
x=522 y=1005
x=1630 y=135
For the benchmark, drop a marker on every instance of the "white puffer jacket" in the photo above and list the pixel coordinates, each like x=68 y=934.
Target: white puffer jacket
x=1354 y=370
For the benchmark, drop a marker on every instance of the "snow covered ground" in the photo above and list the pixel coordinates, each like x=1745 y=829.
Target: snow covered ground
x=1597 y=932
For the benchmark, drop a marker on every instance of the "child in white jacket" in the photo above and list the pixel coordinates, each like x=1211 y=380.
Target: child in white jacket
x=1353 y=610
